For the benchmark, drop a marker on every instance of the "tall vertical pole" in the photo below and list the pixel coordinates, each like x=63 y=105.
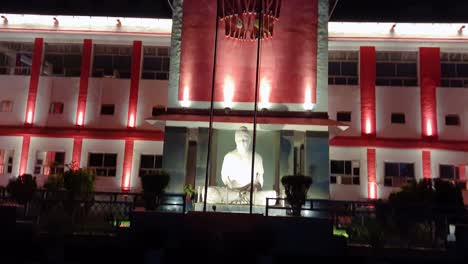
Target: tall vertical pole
x=210 y=129
x=257 y=76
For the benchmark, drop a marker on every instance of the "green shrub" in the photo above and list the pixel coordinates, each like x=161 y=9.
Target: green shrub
x=153 y=187
x=22 y=188
x=79 y=183
x=296 y=187
x=54 y=183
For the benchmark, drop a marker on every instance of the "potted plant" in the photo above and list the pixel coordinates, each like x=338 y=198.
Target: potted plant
x=22 y=188
x=296 y=187
x=153 y=187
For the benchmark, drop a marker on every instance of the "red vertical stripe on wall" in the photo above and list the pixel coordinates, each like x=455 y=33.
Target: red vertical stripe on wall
x=462 y=172
x=426 y=163
x=34 y=80
x=367 y=89
x=2 y=161
x=371 y=175
x=76 y=156
x=84 y=81
x=24 y=155
x=429 y=77
x=127 y=165
x=134 y=83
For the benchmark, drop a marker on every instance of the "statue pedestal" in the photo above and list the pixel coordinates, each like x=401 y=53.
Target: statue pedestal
x=223 y=195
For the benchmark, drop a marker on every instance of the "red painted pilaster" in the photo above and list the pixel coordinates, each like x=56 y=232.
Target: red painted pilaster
x=34 y=80
x=84 y=81
x=367 y=88
x=426 y=163
x=127 y=165
x=462 y=172
x=76 y=156
x=134 y=83
x=429 y=78
x=371 y=175
x=24 y=155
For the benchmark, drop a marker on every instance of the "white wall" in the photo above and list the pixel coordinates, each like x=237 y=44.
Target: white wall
x=452 y=101
x=346 y=99
x=105 y=146
x=14 y=88
x=64 y=90
x=398 y=100
x=42 y=101
x=107 y=91
x=142 y=147
x=39 y=144
x=151 y=93
x=15 y=144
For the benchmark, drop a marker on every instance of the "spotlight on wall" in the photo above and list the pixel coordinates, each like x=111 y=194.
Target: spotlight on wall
x=392 y=29
x=460 y=30
x=119 y=23
x=56 y=22
x=5 y=20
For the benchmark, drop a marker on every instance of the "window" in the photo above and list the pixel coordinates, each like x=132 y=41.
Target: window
x=396 y=68
x=112 y=61
x=398 y=174
x=49 y=163
x=150 y=164
x=454 y=69
x=448 y=172
x=344 y=172
x=343 y=67
x=56 y=108
x=155 y=63
x=343 y=116
x=62 y=59
x=6 y=106
x=104 y=164
x=107 y=109
x=452 y=120
x=158 y=110
x=6 y=161
x=398 y=118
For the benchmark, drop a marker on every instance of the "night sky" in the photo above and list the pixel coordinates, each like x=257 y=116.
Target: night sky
x=346 y=10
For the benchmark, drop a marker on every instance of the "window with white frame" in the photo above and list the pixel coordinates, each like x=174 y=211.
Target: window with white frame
x=103 y=164
x=49 y=163
x=6 y=161
x=6 y=106
x=150 y=164
x=397 y=174
x=56 y=108
x=345 y=172
x=448 y=172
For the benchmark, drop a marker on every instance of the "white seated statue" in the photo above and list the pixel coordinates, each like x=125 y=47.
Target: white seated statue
x=236 y=175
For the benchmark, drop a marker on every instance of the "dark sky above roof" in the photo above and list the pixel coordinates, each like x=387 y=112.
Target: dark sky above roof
x=346 y=10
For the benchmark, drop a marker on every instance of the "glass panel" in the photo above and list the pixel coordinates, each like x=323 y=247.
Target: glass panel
x=446 y=171
x=337 y=167
x=391 y=169
x=147 y=161
x=348 y=167
x=95 y=160
x=110 y=160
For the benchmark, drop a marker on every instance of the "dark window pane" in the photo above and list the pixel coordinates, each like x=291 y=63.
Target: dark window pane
x=334 y=68
x=348 y=167
x=356 y=171
x=102 y=62
x=72 y=61
x=382 y=82
x=448 y=70
x=148 y=75
x=95 y=160
x=101 y=172
x=456 y=83
x=110 y=160
x=410 y=82
x=107 y=109
x=333 y=179
x=452 y=120
x=396 y=82
x=60 y=157
x=349 y=68
x=337 y=167
x=343 y=116
x=406 y=70
x=158 y=162
x=446 y=171
x=388 y=182
x=407 y=170
x=122 y=62
x=346 y=180
x=356 y=180
x=385 y=69
x=398 y=118
x=152 y=63
x=340 y=81
x=462 y=70
x=352 y=81
x=163 y=51
x=147 y=161
x=165 y=66
x=391 y=169
x=111 y=172
x=162 y=76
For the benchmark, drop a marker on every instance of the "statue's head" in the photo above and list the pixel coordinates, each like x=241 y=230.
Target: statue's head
x=243 y=139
